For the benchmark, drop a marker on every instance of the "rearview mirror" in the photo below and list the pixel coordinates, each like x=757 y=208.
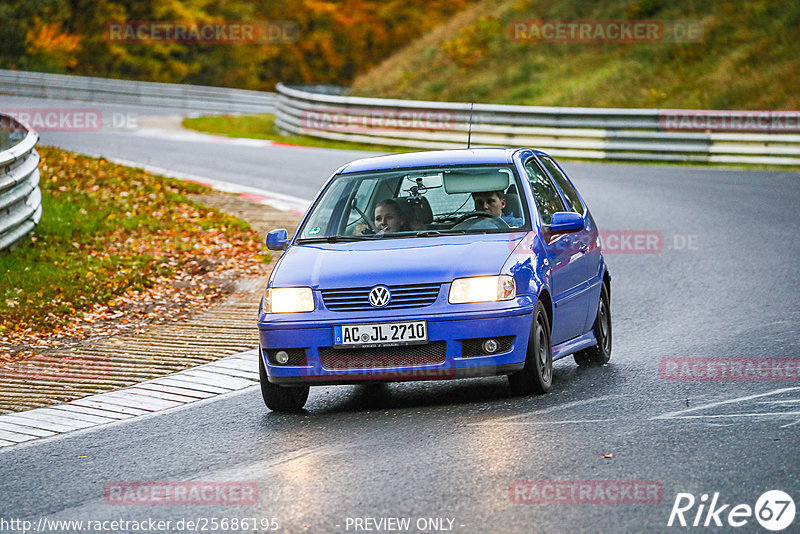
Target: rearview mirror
x=278 y=239
x=566 y=221
x=481 y=180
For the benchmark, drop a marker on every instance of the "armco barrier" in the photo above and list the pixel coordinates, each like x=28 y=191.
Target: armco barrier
x=20 y=197
x=590 y=133
x=189 y=97
x=587 y=133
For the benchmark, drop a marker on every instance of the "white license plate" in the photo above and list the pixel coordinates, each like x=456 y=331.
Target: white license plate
x=380 y=334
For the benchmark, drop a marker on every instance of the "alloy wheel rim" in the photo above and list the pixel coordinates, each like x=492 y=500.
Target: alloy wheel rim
x=542 y=350
x=604 y=326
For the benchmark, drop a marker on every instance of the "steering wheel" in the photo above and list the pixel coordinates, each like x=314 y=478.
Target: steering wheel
x=494 y=219
x=370 y=229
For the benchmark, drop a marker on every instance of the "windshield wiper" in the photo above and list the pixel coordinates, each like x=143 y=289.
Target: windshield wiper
x=336 y=239
x=434 y=233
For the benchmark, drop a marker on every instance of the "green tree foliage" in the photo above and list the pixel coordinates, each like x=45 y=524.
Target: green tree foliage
x=748 y=57
x=33 y=37
x=335 y=41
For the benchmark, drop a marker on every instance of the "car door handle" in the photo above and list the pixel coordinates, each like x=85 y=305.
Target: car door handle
x=584 y=248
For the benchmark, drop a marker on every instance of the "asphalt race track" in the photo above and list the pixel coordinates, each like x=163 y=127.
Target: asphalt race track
x=723 y=283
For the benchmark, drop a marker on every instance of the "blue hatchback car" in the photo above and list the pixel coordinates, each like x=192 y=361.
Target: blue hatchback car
x=435 y=265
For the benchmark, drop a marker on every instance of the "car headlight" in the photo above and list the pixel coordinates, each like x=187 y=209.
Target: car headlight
x=482 y=289
x=288 y=300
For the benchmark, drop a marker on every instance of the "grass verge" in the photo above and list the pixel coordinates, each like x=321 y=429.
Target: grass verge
x=116 y=247
x=263 y=127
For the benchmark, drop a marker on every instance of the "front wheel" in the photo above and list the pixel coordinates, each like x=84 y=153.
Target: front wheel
x=281 y=398
x=600 y=353
x=537 y=375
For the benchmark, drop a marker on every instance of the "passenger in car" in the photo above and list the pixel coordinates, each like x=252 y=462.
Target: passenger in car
x=389 y=218
x=493 y=202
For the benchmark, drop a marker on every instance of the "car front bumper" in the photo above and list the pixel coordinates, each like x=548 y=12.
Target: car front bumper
x=450 y=352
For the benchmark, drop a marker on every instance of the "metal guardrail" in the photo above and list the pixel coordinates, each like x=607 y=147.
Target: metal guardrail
x=20 y=196
x=190 y=97
x=586 y=133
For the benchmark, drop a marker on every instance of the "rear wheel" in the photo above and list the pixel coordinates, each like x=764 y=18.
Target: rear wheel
x=281 y=398
x=537 y=375
x=600 y=353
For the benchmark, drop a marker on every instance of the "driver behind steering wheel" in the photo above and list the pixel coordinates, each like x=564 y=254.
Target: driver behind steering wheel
x=493 y=202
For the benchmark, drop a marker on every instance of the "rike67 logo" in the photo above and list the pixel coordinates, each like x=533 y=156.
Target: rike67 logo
x=774 y=510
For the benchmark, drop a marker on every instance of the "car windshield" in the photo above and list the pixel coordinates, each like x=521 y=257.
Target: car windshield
x=417 y=202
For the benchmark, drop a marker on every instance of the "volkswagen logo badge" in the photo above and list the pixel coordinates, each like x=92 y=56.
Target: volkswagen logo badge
x=379 y=296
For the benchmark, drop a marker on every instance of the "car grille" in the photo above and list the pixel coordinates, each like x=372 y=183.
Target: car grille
x=357 y=298
x=383 y=357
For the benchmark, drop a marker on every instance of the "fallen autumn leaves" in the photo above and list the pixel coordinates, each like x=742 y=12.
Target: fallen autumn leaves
x=117 y=248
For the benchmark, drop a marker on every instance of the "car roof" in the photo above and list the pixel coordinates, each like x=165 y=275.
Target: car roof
x=431 y=159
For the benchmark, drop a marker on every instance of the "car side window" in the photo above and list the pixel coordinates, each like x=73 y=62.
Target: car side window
x=560 y=178
x=548 y=201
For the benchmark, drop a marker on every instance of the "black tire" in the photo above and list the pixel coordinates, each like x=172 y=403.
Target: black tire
x=281 y=398
x=600 y=353
x=537 y=375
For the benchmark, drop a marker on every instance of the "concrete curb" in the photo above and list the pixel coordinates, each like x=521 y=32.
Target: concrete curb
x=224 y=376
x=208 y=380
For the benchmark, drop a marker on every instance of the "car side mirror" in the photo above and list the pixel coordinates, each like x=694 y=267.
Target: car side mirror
x=566 y=221
x=278 y=239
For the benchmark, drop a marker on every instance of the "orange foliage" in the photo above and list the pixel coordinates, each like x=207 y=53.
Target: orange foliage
x=47 y=40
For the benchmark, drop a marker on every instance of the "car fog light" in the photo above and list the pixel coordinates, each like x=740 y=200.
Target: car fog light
x=282 y=357
x=489 y=346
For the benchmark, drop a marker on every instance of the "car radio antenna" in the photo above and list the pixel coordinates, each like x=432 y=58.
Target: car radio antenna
x=469 y=132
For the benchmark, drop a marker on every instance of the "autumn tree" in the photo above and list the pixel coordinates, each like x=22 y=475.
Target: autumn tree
x=335 y=39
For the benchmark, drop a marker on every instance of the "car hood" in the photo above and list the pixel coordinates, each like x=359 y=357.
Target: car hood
x=393 y=261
